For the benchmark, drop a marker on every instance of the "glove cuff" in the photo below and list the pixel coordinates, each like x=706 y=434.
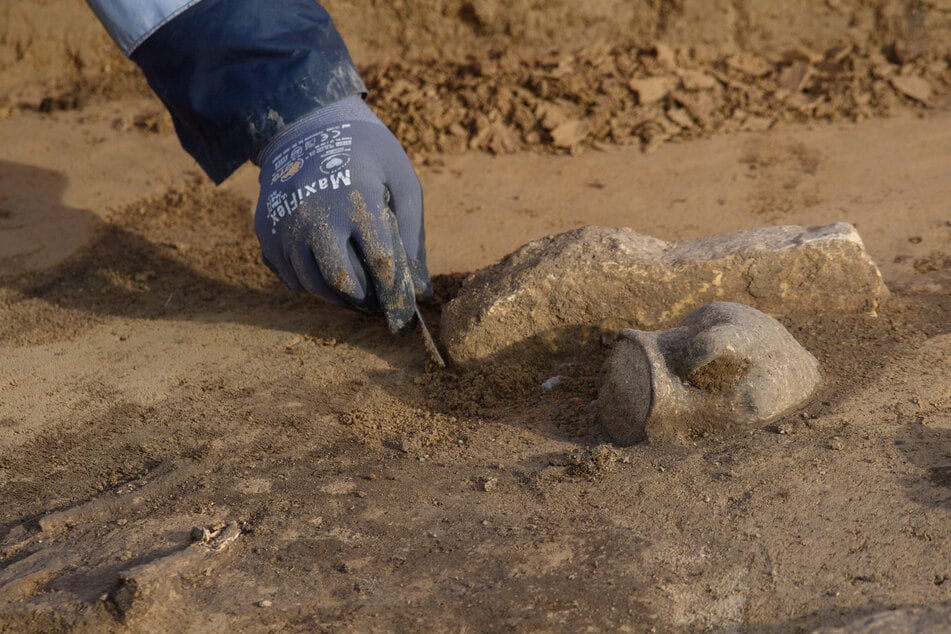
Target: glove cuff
x=348 y=109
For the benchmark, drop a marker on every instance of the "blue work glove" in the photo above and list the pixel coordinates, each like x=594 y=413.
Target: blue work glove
x=341 y=213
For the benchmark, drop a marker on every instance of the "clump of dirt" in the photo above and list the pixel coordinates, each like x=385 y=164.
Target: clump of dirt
x=507 y=100
x=503 y=102
x=64 y=42
x=720 y=375
x=591 y=464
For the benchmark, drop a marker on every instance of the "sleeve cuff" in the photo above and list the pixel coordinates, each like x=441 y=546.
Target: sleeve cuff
x=233 y=73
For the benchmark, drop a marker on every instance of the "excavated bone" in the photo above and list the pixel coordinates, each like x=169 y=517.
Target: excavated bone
x=562 y=292
x=726 y=366
x=153 y=582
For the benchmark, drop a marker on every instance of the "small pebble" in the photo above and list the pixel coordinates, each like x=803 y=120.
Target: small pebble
x=551 y=383
x=264 y=603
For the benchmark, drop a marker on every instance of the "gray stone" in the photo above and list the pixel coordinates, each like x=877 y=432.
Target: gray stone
x=726 y=366
x=563 y=292
x=926 y=619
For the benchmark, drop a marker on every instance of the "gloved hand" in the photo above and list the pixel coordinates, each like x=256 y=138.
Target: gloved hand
x=341 y=213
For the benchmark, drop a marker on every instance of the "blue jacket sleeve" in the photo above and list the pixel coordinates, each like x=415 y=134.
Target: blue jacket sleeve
x=233 y=73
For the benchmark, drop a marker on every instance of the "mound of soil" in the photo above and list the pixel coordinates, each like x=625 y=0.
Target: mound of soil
x=503 y=103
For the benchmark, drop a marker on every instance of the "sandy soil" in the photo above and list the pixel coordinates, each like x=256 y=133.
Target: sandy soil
x=155 y=379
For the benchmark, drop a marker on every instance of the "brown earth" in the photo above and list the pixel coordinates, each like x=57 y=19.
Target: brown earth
x=154 y=378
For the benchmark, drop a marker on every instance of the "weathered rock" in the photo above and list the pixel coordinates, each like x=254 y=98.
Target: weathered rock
x=726 y=366
x=560 y=293
x=652 y=89
x=926 y=619
x=916 y=88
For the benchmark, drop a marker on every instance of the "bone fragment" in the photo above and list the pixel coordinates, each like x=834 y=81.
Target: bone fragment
x=153 y=581
x=561 y=293
x=725 y=367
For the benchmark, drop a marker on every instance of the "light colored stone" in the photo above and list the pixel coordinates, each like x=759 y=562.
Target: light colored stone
x=652 y=89
x=726 y=366
x=697 y=80
x=569 y=133
x=749 y=64
x=911 y=86
x=561 y=293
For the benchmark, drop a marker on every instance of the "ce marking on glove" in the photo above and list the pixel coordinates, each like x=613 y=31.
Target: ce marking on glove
x=325 y=136
x=328 y=140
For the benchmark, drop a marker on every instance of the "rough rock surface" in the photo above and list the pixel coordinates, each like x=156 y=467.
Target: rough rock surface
x=915 y=620
x=726 y=366
x=563 y=291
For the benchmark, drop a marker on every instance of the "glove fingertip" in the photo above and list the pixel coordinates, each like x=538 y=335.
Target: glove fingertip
x=402 y=321
x=399 y=307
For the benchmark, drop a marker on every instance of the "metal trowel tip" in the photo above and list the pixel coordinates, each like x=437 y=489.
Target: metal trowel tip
x=429 y=342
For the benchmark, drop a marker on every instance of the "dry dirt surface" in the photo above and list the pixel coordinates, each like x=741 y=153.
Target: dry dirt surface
x=185 y=445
